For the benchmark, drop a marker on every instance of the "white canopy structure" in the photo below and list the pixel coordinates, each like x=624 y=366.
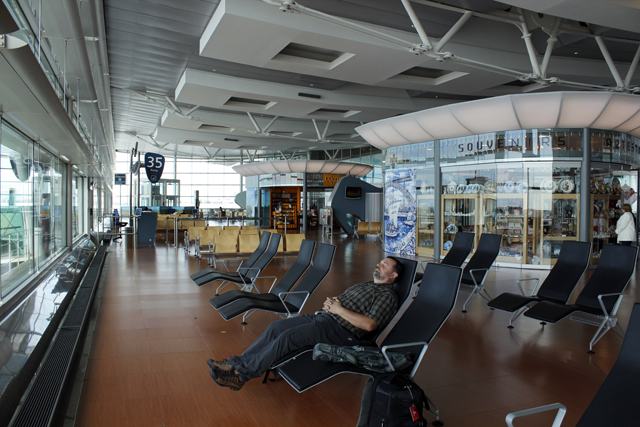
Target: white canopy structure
x=309 y=166
x=552 y=110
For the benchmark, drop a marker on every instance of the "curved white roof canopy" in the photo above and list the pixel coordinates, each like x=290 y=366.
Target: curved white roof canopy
x=310 y=166
x=599 y=110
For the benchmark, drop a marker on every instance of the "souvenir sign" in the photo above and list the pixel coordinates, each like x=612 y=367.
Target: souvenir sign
x=154 y=164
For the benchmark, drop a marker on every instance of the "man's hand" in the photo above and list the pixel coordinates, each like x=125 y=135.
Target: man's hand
x=332 y=305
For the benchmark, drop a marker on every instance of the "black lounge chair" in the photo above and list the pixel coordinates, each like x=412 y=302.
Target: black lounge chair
x=287 y=304
x=457 y=255
x=478 y=266
x=288 y=281
x=262 y=246
x=246 y=276
x=412 y=333
x=616 y=402
x=557 y=287
x=402 y=287
x=600 y=299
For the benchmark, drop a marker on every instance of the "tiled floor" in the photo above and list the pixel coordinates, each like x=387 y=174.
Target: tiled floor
x=156 y=329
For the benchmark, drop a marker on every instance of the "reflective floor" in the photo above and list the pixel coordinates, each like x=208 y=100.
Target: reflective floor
x=156 y=329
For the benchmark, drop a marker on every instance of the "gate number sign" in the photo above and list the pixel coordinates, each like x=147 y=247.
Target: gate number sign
x=154 y=164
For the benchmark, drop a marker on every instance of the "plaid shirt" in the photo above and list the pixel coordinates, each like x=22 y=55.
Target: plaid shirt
x=376 y=301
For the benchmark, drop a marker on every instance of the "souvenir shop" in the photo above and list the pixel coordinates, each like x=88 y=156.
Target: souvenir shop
x=525 y=185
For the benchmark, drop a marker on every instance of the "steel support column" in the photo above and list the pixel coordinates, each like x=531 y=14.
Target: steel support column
x=437 y=201
x=585 y=187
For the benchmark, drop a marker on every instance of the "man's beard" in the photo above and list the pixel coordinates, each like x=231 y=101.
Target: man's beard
x=376 y=274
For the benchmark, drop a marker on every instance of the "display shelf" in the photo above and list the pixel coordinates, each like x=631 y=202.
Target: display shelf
x=285 y=204
x=425 y=227
x=604 y=218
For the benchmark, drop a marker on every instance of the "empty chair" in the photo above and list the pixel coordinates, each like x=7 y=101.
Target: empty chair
x=478 y=266
x=224 y=245
x=249 y=231
x=232 y=227
x=269 y=230
x=413 y=332
x=288 y=304
x=615 y=403
x=249 y=227
x=190 y=236
x=215 y=227
x=457 y=255
x=230 y=232
x=374 y=228
x=600 y=298
x=292 y=242
x=557 y=287
x=206 y=239
x=363 y=229
x=288 y=281
x=246 y=276
x=262 y=246
x=248 y=243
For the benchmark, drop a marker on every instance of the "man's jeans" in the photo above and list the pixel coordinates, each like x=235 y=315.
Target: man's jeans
x=285 y=336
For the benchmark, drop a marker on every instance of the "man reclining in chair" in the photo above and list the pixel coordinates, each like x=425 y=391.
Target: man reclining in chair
x=346 y=319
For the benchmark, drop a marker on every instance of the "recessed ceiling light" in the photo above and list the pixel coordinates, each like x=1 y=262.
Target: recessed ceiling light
x=212 y=69
x=311 y=84
x=575 y=53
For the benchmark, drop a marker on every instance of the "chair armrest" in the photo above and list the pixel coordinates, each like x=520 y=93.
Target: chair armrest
x=423 y=264
x=527 y=280
x=424 y=345
x=291 y=293
x=474 y=277
x=615 y=306
x=275 y=279
x=562 y=410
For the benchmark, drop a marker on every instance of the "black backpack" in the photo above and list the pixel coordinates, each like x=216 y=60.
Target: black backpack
x=392 y=400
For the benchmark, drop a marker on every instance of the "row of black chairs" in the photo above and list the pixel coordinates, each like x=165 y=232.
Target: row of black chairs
x=475 y=272
x=597 y=303
x=280 y=298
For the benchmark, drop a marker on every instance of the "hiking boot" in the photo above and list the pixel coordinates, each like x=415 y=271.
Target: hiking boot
x=221 y=365
x=227 y=379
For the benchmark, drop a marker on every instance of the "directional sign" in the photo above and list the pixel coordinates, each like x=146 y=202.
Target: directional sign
x=154 y=164
x=120 y=179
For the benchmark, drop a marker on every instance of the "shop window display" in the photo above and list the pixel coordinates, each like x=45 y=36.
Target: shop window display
x=552 y=212
x=609 y=191
x=468 y=203
x=425 y=211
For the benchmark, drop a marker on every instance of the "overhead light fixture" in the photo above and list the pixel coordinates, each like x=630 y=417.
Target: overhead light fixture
x=65 y=158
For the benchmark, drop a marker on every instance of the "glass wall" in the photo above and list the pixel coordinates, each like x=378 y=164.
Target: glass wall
x=533 y=206
x=217 y=184
x=32 y=211
x=523 y=185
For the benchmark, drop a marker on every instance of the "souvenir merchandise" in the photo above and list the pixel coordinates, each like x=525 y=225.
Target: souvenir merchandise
x=615 y=185
x=522 y=187
x=490 y=186
x=451 y=188
x=567 y=186
x=509 y=186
